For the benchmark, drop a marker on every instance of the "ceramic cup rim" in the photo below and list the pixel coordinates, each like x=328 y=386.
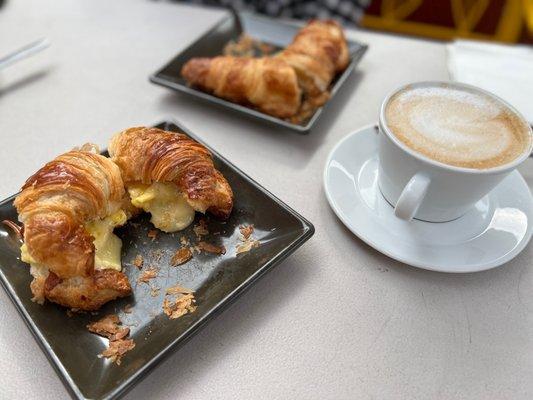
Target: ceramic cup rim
x=440 y=165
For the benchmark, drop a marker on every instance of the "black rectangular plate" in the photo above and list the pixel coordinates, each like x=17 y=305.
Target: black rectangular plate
x=217 y=280
x=268 y=30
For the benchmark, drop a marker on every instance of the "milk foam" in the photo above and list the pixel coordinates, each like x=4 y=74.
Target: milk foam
x=457 y=127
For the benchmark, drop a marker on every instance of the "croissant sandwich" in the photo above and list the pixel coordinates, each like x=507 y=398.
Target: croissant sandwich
x=170 y=176
x=269 y=84
x=279 y=84
x=68 y=210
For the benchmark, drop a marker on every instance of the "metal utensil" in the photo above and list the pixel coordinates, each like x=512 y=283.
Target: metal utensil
x=236 y=18
x=24 y=52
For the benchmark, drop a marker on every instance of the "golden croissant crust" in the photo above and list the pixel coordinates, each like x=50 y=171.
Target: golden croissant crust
x=54 y=205
x=148 y=155
x=269 y=84
x=282 y=84
x=317 y=53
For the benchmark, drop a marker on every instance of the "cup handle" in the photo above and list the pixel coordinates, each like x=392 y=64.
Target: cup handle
x=412 y=196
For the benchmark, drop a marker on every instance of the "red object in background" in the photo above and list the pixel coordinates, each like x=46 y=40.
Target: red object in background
x=499 y=20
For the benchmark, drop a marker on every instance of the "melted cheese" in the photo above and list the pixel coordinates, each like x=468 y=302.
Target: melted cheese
x=36 y=270
x=25 y=255
x=108 y=245
x=169 y=208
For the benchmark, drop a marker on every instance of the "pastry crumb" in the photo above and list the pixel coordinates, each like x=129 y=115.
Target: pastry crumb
x=117 y=349
x=156 y=254
x=154 y=292
x=184 y=241
x=247 y=241
x=179 y=307
x=201 y=229
x=138 y=261
x=246 y=231
x=195 y=249
x=183 y=304
x=152 y=234
x=177 y=289
x=147 y=274
x=109 y=327
x=247 y=46
x=211 y=248
x=181 y=256
x=247 y=245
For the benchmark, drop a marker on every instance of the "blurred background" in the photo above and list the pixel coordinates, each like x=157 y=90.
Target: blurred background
x=508 y=21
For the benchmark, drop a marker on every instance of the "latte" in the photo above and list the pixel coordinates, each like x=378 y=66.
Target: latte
x=457 y=126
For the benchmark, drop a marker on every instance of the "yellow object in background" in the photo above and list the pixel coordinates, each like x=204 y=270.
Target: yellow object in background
x=508 y=21
x=528 y=12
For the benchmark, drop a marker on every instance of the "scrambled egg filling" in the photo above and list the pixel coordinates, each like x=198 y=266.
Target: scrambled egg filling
x=108 y=245
x=168 y=206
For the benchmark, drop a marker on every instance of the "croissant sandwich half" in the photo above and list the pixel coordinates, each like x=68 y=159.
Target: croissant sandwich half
x=269 y=84
x=170 y=176
x=69 y=209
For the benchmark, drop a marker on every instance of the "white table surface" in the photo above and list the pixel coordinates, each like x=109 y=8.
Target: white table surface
x=337 y=320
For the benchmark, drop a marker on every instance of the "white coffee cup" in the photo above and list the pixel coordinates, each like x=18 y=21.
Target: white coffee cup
x=422 y=188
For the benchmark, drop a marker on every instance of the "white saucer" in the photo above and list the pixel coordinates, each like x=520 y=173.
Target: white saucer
x=492 y=233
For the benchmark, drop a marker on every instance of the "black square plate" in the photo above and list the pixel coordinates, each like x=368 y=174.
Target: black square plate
x=267 y=30
x=217 y=280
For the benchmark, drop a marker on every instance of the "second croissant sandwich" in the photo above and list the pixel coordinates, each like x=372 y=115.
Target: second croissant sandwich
x=279 y=85
x=269 y=84
x=170 y=176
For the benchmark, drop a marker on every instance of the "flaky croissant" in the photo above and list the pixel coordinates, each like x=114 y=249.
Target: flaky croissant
x=170 y=175
x=282 y=85
x=56 y=204
x=317 y=53
x=269 y=84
